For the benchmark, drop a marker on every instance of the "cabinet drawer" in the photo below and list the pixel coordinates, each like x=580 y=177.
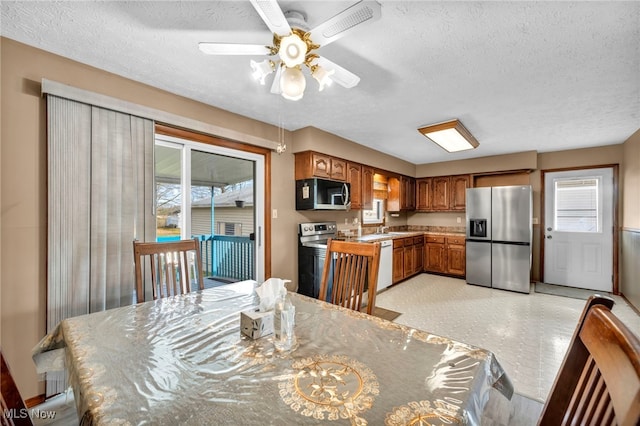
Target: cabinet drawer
x=398 y=242
x=418 y=240
x=455 y=241
x=438 y=239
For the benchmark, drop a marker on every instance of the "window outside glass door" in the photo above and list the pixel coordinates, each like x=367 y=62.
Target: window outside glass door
x=224 y=208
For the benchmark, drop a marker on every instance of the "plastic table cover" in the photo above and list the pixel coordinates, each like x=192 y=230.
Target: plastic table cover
x=183 y=360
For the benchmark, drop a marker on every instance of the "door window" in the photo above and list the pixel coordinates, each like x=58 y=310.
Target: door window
x=576 y=207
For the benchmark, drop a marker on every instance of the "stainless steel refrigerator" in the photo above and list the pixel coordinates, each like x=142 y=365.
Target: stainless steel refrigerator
x=498 y=240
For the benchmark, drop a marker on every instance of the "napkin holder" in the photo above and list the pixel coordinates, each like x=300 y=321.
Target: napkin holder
x=256 y=324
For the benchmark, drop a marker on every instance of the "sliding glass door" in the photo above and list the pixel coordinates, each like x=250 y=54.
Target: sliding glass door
x=216 y=195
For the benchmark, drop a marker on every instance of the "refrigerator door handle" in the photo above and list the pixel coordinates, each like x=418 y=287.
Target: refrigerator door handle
x=512 y=243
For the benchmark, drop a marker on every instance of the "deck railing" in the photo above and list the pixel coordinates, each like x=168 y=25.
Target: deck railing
x=227 y=257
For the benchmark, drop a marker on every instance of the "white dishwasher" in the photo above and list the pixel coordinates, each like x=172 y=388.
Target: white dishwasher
x=385 y=270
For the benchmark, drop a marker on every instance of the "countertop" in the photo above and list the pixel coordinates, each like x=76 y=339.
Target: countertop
x=402 y=234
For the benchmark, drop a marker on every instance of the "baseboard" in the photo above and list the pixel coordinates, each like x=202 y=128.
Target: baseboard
x=32 y=402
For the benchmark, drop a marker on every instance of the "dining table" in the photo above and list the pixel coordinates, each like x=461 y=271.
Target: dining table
x=184 y=360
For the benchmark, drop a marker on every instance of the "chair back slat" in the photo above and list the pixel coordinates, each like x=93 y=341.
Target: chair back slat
x=599 y=380
x=354 y=265
x=171 y=266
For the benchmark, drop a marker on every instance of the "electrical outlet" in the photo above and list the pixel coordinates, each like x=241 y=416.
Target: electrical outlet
x=534 y=221
x=459 y=219
x=274 y=214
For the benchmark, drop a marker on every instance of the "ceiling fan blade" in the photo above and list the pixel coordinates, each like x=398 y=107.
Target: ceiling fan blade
x=272 y=15
x=275 y=86
x=341 y=76
x=345 y=21
x=233 y=49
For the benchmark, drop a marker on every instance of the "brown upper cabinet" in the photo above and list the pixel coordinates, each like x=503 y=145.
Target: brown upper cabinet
x=408 y=194
x=402 y=194
x=459 y=185
x=442 y=193
x=361 y=179
x=312 y=164
x=367 y=187
x=423 y=194
x=354 y=177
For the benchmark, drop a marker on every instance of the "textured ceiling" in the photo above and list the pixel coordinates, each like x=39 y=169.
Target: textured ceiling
x=521 y=76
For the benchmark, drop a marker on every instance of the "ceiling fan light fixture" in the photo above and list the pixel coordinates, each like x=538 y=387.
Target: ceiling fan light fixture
x=261 y=70
x=322 y=75
x=452 y=136
x=292 y=83
x=293 y=50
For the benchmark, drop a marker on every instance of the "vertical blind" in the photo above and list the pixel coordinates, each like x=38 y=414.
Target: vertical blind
x=100 y=198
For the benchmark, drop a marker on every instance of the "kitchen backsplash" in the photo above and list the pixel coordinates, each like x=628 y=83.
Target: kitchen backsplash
x=350 y=230
x=429 y=228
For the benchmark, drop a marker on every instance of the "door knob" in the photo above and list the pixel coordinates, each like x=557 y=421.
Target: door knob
x=548 y=237
x=549 y=229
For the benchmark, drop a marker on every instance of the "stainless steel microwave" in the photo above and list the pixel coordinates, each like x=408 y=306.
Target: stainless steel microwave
x=322 y=194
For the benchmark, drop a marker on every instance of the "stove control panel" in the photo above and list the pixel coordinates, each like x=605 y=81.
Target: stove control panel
x=317 y=228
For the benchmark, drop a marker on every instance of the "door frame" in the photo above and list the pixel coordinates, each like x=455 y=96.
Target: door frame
x=163 y=129
x=615 y=170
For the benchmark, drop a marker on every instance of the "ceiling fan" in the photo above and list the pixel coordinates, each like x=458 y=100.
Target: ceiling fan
x=294 y=47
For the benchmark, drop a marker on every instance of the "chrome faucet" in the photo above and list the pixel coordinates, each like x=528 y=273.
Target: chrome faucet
x=383 y=229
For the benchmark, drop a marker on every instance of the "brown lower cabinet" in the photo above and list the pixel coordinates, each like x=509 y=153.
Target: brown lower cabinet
x=442 y=254
x=445 y=254
x=435 y=258
x=398 y=260
x=408 y=255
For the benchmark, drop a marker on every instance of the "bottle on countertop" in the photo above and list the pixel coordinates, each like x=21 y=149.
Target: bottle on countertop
x=355 y=220
x=283 y=322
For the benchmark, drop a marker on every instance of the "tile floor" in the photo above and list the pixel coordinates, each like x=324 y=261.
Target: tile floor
x=528 y=333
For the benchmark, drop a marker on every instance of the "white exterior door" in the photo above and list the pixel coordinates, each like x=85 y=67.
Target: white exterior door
x=578 y=237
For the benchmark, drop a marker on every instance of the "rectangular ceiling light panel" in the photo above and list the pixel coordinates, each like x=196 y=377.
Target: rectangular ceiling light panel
x=452 y=136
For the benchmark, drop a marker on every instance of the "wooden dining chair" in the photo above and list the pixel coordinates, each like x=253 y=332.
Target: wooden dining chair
x=173 y=266
x=599 y=380
x=354 y=265
x=14 y=411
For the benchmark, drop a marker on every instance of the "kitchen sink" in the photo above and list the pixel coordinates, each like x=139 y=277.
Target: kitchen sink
x=374 y=237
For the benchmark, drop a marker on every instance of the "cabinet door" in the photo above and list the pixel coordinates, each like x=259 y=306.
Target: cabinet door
x=398 y=264
x=321 y=165
x=456 y=260
x=435 y=257
x=418 y=257
x=393 y=195
x=354 y=177
x=408 y=260
x=423 y=194
x=440 y=200
x=367 y=188
x=338 y=169
x=434 y=254
x=459 y=185
x=408 y=193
